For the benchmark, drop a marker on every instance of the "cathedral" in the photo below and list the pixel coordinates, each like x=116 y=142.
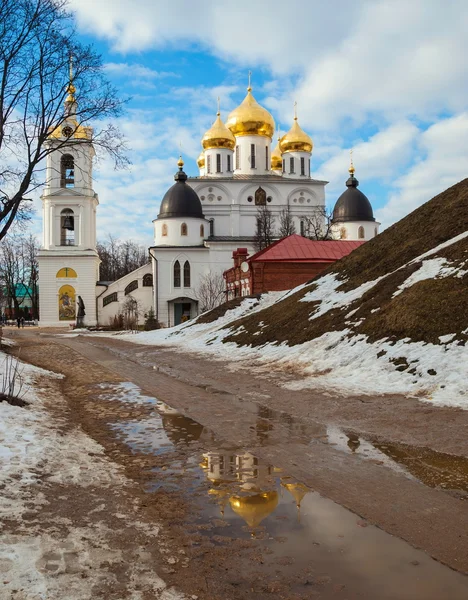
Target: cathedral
x=202 y=220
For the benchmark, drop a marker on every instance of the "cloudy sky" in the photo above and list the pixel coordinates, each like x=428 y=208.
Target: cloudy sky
x=387 y=78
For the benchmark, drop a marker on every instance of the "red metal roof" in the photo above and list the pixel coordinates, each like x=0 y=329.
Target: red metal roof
x=297 y=248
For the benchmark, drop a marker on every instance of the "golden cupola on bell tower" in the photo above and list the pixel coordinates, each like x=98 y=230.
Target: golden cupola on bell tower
x=218 y=144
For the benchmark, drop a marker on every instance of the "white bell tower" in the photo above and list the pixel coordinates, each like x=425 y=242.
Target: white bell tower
x=68 y=260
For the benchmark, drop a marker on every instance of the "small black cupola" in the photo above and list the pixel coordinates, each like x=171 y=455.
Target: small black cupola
x=352 y=205
x=180 y=200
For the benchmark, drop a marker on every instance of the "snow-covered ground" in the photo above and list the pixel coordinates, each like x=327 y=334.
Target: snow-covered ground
x=340 y=361
x=35 y=449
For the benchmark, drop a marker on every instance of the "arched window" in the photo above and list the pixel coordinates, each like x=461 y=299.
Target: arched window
x=202 y=231
x=177 y=274
x=291 y=165
x=361 y=234
x=133 y=285
x=211 y=227
x=67 y=227
x=148 y=280
x=67 y=171
x=183 y=229
x=343 y=233
x=164 y=230
x=187 y=274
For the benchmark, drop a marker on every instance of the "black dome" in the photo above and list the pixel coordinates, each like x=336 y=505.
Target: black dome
x=352 y=205
x=180 y=200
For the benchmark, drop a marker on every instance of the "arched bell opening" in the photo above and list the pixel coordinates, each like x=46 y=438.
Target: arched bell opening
x=67 y=227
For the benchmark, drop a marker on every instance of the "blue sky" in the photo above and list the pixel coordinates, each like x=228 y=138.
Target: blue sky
x=387 y=78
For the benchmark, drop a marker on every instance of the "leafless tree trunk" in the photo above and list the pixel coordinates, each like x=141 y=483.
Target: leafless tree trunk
x=318 y=226
x=211 y=291
x=37 y=38
x=264 y=234
x=19 y=272
x=118 y=258
x=131 y=310
x=286 y=224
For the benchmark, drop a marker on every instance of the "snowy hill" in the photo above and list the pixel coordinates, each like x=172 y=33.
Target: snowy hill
x=390 y=317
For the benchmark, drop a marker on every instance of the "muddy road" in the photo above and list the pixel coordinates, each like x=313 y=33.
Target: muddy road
x=265 y=492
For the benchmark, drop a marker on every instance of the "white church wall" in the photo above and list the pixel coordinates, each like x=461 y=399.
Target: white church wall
x=352 y=229
x=180 y=232
x=143 y=294
x=84 y=285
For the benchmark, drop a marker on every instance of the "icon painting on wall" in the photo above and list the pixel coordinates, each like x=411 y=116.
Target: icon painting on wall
x=67 y=307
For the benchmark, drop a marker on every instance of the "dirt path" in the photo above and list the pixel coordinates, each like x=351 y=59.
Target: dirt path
x=404 y=484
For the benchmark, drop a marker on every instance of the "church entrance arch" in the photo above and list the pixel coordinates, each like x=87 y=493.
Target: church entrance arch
x=182 y=309
x=67 y=303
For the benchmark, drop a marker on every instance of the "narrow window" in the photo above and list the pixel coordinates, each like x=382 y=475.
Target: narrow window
x=291 y=165
x=187 y=274
x=375 y=232
x=343 y=233
x=228 y=163
x=252 y=156
x=211 y=227
x=218 y=163
x=302 y=228
x=267 y=166
x=202 y=231
x=302 y=165
x=284 y=165
x=67 y=171
x=361 y=234
x=183 y=229
x=67 y=227
x=148 y=280
x=177 y=274
x=208 y=164
x=237 y=157
x=164 y=230
x=309 y=167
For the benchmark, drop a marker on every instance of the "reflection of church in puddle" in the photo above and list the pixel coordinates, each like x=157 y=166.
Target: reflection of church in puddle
x=238 y=479
x=247 y=485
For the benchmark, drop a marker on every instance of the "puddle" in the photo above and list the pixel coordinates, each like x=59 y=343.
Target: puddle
x=319 y=548
x=434 y=469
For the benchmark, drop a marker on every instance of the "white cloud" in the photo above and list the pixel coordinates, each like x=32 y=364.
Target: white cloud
x=443 y=150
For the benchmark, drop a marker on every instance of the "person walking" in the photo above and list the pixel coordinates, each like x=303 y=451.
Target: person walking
x=22 y=322
x=18 y=322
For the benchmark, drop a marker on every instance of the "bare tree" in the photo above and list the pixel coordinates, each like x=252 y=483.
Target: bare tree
x=211 y=291
x=118 y=258
x=286 y=224
x=131 y=311
x=37 y=38
x=19 y=273
x=264 y=234
x=318 y=225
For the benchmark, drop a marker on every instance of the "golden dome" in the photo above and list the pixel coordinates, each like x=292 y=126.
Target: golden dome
x=79 y=131
x=249 y=118
x=201 y=160
x=276 y=159
x=296 y=140
x=218 y=136
x=253 y=509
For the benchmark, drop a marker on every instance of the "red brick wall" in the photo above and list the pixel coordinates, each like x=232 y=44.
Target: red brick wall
x=275 y=277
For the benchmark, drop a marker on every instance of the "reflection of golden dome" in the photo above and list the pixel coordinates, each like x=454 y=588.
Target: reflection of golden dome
x=218 y=136
x=297 y=491
x=253 y=509
x=296 y=140
x=201 y=160
x=249 y=118
x=276 y=159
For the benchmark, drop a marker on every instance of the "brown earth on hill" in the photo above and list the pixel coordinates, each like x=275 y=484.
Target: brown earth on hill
x=219 y=311
x=440 y=219
x=423 y=312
